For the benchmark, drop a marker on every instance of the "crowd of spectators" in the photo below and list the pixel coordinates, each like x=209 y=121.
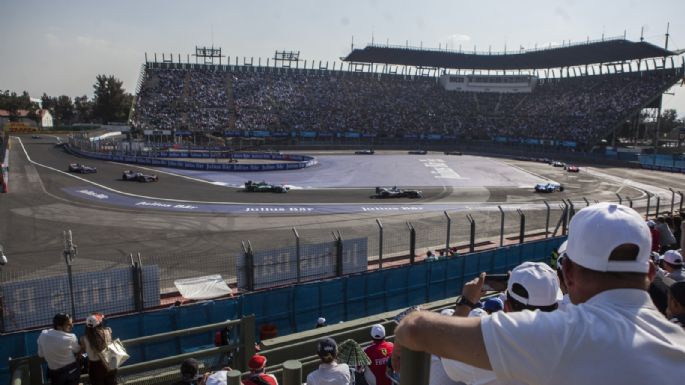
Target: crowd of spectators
x=580 y=109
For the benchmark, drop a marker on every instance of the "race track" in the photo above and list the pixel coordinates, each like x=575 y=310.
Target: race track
x=199 y=219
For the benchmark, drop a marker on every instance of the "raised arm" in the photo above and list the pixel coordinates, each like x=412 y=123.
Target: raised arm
x=456 y=338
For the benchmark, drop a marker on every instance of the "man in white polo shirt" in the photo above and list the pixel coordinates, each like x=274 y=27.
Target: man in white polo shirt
x=614 y=334
x=58 y=347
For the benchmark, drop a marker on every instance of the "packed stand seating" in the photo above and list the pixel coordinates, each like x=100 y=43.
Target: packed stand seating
x=581 y=109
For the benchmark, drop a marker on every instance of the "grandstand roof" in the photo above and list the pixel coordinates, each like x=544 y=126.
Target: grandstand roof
x=615 y=50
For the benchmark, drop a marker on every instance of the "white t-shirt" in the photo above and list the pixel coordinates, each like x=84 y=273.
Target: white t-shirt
x=437 y=373
x=616 y=337
x=330 y=374
x=58 y=348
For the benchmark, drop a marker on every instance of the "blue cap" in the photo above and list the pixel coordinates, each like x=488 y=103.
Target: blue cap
x=493 y=304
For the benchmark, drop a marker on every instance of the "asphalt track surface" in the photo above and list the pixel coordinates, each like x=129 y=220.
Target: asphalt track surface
x=191 y=221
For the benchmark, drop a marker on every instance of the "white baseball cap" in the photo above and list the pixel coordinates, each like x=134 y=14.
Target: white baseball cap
x=673 y=257
x=596 y=231
x=539 y=280
x=320 y=321
x=377 y=332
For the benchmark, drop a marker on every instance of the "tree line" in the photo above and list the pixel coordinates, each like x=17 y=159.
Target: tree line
x=110 y=103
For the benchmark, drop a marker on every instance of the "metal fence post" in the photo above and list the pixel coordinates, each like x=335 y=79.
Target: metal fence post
x=233 y=377
x=546 y=220
x=412 y=243
x=587 y=203
x=571 y=211
x=649 y=200
x=338 y=254
x=620 y=200
x=501 y=226
x=472 y=236
x=249 y=266
x=672 y=199
x=564 y=219
x=69 y=254
x=449 y=226
x=292 y=372
x=680 y=208
x=297 y=255
x=380 y=243
x=658 y=206
x=136 y=269
x=522 y=226
x=630 y=202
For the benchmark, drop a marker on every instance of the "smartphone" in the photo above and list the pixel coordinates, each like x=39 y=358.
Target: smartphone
x=495 y=282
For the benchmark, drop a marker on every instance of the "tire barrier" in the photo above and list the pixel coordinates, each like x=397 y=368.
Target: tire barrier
x=294 y=162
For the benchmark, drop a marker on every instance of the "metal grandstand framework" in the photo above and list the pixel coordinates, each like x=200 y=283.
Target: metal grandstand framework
x=614 y=50
x=286 y=58
x=208 y=54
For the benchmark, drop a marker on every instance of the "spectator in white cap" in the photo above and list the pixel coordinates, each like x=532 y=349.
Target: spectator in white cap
x=673 y=264
x=614 y=334
x=94 y=342
x=379 y=352
x=320 y=322
x=654 y=232
x=531 y=286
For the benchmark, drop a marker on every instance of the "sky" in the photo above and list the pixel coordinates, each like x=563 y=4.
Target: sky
x=58 y=47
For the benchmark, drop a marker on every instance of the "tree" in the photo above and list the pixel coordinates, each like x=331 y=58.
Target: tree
x=64 y=110
x=83 y=108
x=111 y=103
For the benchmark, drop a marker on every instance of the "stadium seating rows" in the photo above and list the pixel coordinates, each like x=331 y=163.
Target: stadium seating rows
x=581 y=109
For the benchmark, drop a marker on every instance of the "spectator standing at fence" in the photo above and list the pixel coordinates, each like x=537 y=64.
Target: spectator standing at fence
x=613 y=335
x=59 y=346
x=94 y=342
x=666 y=238
x=379 y=352
x=257 y=376
x=673 y=264
x=329 y=372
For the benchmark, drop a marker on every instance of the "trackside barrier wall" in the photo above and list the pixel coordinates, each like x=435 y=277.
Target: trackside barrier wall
x=663 y=162
x=296 y=307
x=294 y=161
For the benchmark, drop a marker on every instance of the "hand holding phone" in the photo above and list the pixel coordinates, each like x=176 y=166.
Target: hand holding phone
x=495 y=282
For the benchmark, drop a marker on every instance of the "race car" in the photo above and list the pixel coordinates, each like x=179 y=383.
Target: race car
x=572 y=168
x=82 y=168
x=548 y=187
x=262 y=186
x=365 y=152
x=418 y=152
x=394 y=192
x=558 y=164
x=138 y=176
x=453 y=153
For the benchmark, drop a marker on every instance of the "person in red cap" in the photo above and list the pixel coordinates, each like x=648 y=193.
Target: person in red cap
x=257 y=376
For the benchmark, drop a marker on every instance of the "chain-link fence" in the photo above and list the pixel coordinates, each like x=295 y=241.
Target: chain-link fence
x=288 y=255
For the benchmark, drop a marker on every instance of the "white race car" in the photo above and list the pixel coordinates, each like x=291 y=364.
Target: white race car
x=139 y=176
x=549 y=187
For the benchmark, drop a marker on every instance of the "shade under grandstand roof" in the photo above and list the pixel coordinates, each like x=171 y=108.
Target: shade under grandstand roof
x=617 y=50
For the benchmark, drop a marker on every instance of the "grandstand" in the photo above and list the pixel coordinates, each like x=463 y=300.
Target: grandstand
x=572 y=96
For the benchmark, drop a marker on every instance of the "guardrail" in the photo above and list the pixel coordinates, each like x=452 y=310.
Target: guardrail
x=29 y=370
